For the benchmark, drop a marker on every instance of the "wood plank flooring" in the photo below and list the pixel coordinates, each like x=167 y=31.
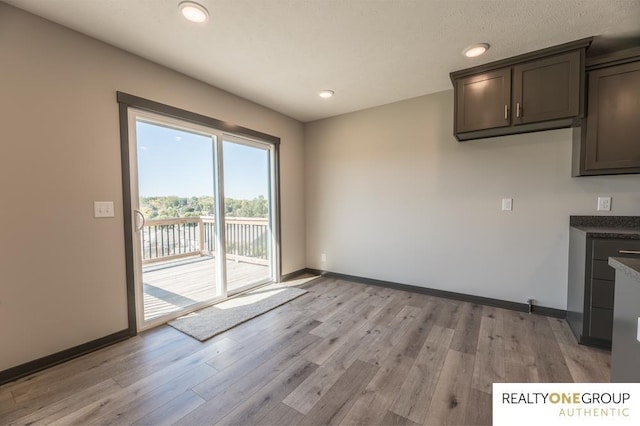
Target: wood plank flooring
x=344 y=353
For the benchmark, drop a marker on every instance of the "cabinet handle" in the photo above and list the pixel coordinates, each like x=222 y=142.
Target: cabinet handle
x=518 y=109
x=628 y=251
x=506 y=112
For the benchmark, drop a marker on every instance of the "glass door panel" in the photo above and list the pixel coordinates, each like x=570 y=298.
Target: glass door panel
x=248 y=213
x=203 y=207
x=175 y=218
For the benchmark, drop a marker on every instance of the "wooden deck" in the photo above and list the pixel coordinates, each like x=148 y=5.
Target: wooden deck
x=172 y=286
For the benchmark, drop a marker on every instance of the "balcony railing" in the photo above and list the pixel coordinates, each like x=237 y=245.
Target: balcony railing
x=247 y=239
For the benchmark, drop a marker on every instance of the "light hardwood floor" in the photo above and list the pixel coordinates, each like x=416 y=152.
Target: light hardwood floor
x=344 y=353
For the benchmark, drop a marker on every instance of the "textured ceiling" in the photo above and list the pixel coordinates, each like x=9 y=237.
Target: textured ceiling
x=280 y=53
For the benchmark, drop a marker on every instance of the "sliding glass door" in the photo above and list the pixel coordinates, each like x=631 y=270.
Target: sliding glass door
x=247 y=212
x=202 y=213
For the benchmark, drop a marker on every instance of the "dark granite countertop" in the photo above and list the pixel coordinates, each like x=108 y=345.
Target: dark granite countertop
x=605 y=221
x=621 y=233
x=622 y=227
x=629 y=266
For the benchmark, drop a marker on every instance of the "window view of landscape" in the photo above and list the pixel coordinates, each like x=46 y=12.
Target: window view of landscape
x=170 y=206
x=178 y=240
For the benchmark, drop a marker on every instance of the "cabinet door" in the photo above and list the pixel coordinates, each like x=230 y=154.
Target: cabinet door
x=547 y=89
x=601 y=323
x=482 y=101
x=613 y=122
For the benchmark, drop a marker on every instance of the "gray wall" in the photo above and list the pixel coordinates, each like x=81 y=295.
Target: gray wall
x=391 y=195
x=62 y=272
x=388 y=192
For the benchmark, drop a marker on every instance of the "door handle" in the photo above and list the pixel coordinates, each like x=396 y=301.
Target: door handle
x=139 y=214
x=518 y=109
x=506 y=112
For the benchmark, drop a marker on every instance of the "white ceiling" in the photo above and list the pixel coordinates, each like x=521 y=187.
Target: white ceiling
x=280 y=53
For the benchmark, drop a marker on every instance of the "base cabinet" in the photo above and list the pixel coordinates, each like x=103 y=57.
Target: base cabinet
x=625 y=351
x=591 y=297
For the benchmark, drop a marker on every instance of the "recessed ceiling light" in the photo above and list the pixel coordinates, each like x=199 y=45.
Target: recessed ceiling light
x=326 y=93
x=475 y=50
x=193 y=11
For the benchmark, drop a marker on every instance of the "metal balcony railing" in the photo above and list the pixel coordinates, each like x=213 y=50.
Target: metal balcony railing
x=247 y=239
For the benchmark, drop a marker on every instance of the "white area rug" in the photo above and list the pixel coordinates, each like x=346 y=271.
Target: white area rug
x=206 y=323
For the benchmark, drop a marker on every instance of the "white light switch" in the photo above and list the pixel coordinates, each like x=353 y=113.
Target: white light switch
x=604 y=204
x=638 y=331
x=507 y=204
x=103 y=209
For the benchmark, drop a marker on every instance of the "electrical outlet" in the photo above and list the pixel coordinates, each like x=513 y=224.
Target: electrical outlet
x=103 y=209
x=323 y=257
x=604 y=204
x=507 y=204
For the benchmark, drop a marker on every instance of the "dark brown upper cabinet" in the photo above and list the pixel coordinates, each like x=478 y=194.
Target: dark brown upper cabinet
x=547 y=89
x=608 y=142
x=483 y=100
x=536 y=91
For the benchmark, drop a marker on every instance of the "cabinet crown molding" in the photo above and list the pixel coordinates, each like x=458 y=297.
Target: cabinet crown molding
x=583 y=43
x=619 y=57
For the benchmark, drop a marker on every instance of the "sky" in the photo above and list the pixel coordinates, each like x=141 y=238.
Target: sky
x=176 y=162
